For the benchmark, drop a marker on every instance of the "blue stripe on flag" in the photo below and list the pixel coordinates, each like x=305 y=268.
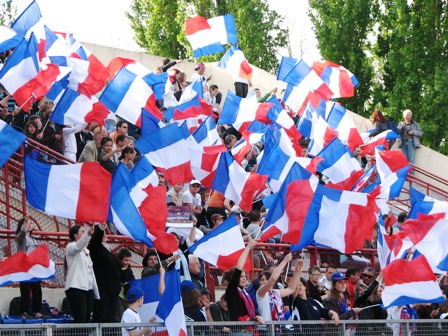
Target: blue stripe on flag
x=36 y=179
x=117 y=88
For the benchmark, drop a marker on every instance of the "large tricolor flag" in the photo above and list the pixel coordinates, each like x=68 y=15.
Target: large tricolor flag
x=126 y=95
x=222 y=246
x=424 y=204
x=207 y=37
x=240 y=112
x=285 y=217
x=340 y=80
x=339 y=165
x=170 y=308
x=410 y=282
x=11 y=140
x=234 y=63
x=75 y=108
x=167 y=150
x=200 y=35
x=428 y=234
x=123 y=212
x=381 y=139
x=21 y=267
x=236 y=184
x=78 y=191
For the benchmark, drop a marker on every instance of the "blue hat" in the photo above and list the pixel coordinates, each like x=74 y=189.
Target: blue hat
x=134 y=293
x=186 y=286
x=338 y=276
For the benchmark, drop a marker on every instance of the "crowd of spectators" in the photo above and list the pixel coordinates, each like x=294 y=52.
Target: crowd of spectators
x=97 y=281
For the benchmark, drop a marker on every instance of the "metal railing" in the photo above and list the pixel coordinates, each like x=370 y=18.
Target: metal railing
x=435 y=327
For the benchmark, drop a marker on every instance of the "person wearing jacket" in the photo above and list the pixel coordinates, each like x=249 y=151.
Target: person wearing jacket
x=410 y=134
x=80 y=283
x=107 y=269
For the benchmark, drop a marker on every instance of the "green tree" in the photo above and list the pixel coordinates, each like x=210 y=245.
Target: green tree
x=159 y=27
x=412 y=48
x=342 y=28
x=7 y=14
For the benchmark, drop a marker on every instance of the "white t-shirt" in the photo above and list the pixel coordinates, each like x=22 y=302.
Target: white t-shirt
x=264 y=304
x=189 y=198
x=129 y=316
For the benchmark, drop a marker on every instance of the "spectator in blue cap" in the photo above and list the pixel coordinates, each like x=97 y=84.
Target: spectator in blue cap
x=134 y=296
x=337 y=299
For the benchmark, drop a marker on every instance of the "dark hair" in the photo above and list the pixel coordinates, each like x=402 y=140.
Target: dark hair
x=123 y=253
x=120 y=123
x=229 y=138
x=352 y=271
x=402 y=216
x=312 y=269
x=190 y=298
x=120 y=137
x=25 y=130
x=265 y=274
x=331 y=266
x=254 y=216
x=126 y=150
x=205 y=291
x=166 y=61
x=268 y=266
x=146 y=257
x=105 y=140
x=73 y=231
x=213 y=86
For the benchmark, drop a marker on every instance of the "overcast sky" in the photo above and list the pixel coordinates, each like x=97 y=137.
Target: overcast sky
x=104 y=22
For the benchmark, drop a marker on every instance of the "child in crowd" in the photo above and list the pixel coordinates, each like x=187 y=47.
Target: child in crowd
x=134 y=297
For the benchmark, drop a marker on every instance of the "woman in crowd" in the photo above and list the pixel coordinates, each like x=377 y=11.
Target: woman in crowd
x=30 y=130
x=80 y=283
x=337 y=300
x=26 y=243
x=241 y=307
x=269 y=300
x=193 y=302
x=127 y=157
x=379 y=123
x=410 y=134
x=107 y=157
x=304 y=308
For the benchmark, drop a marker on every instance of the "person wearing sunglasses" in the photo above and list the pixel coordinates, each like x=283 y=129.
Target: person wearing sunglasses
x=369 y=275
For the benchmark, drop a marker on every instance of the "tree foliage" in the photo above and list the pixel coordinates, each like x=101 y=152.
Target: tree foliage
x=159 y=27
x=404 y=42
x=342 y=29
x=7 y=14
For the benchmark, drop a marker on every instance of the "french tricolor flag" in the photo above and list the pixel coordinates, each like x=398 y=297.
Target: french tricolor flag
x=424 y=204
x=77 y=191
x=167 y=150
x=236 y=184
x=21 y=267
x=123 y=212
x=222 y=246
x=341 y=121
x=23 y=78
x=428 y=234
x=321 y=135
x=11 y=140
x=240 y=112
x=409 y=282
x=381 y=139
x=126 y=95
x=284 y=216
x=202 y=38
x=75 y=108
x=29 y=18
x=339 y=165
x=341 y=81
x=170 y=308
x=393 y=168
x=234 y=63
x=150 y=286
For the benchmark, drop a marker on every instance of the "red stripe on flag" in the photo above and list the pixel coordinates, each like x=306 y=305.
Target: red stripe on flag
x=253 y=187
x=196 y=24
x=402 y=271
x=94 y=191
x=178 y=174
x=262 y=112
x=98 y=114
x=298 y=192
x=226 y=262
x=359 y=225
